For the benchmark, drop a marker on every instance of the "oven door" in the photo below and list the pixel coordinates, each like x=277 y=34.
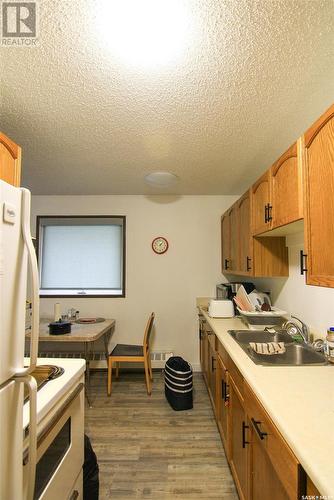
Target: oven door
x=60 y=449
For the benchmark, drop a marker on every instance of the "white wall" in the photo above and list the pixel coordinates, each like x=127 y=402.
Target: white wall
x=167 y=284
x=313 y=304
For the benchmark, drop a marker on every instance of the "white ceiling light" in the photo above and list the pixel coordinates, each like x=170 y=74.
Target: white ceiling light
x=144 y=32
x=161 y=179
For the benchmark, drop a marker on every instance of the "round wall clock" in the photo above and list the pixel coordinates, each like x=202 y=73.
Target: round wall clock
x=160 y=245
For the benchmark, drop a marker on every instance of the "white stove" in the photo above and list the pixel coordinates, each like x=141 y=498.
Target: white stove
x=60 y=432
x=54 y=390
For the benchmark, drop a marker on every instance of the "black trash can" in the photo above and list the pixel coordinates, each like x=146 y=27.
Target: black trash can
x=179 y=383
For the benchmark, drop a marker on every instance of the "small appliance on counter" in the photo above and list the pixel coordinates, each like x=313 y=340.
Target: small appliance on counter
x=229 y=290
x=221 y=308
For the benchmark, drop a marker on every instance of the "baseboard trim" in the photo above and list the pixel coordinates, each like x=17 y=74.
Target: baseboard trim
x=101 y=365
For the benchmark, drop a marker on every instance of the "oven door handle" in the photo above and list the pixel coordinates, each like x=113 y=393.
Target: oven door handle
x=30 y=456
x=32 y=260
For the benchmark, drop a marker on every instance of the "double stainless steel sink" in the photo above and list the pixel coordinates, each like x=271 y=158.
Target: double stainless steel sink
x=294 y=355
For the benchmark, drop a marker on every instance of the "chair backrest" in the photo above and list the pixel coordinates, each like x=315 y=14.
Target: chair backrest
x=148 y=330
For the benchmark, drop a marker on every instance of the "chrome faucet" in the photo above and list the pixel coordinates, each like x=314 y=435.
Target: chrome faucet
x=292 y=329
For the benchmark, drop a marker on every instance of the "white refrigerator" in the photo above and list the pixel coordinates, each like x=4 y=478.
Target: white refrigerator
x=17 y=254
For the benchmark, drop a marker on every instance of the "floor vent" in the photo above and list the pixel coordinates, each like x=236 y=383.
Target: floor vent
x=159 y=358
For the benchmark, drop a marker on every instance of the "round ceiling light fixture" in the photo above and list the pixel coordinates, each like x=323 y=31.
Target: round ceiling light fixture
x=161 y=179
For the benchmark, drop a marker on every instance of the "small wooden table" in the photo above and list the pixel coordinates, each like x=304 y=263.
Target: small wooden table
x=86 y=334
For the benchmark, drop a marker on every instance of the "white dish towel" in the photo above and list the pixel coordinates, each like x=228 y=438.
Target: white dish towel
x=268 y=348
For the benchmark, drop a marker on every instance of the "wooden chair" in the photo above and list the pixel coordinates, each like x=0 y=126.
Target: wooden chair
x=133 y=354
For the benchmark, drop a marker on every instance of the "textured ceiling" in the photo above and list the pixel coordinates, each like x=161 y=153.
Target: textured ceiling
x=250 y=77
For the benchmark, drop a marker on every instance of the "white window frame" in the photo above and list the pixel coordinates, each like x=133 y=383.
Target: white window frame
x=45 y=220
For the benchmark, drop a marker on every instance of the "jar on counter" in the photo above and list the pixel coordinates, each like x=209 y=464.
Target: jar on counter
x=329 y=346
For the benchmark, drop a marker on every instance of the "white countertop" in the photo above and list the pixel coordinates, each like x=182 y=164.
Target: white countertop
x=300 y=401
x=55 y=389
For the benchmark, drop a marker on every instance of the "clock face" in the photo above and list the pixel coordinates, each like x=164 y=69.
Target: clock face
x=160 y=245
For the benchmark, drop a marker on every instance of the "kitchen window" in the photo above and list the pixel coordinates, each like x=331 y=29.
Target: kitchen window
x=81 y=256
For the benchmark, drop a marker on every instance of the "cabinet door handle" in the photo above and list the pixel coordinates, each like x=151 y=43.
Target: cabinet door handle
x=226 y=395
x=248 y=266
x=226 y=263
x=244 y=427
x=265 y=214
x=256 y=424
x=303 y=268
x=213 y=367
x=270 y=217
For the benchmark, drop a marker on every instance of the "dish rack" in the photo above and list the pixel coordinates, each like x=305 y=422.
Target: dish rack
x=259 y=320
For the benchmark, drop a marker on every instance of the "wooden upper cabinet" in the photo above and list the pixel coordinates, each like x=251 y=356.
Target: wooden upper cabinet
x=277 y=197
x=234 y=254
x=270 y=257
x=260 y=203
x=225 y=241
x=244 y=255
x=10 y=161
x=245 y=234
x=230 y=240
x=319 y=201
x=286 y=192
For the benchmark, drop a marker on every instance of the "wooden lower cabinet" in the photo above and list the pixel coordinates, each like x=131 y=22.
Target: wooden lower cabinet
x=264 y=482
x=262 y=463
x=237 y=440
x=212 y=360
x=208 y=357
x=311 y=490
x=285 y=467
x=204 y=348
x=222 y=400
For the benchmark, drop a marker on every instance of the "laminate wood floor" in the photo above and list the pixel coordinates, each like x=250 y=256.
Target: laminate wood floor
x=147 y=450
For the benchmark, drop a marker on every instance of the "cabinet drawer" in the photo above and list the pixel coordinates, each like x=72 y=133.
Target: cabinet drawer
x=236 y=377
x=222 y=353
x=282 y=458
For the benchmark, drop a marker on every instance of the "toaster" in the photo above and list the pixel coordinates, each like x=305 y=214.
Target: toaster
x=221 y=308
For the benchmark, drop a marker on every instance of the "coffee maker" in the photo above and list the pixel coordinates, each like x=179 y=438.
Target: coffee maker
x=229 y=290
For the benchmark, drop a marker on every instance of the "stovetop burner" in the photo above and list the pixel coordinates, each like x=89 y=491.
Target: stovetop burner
x=43 y=374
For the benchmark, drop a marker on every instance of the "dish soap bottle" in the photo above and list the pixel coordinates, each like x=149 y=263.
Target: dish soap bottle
x=329 y=346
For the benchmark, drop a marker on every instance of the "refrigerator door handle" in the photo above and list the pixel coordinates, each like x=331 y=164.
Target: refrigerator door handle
x=33 y=267
x=31 y=383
